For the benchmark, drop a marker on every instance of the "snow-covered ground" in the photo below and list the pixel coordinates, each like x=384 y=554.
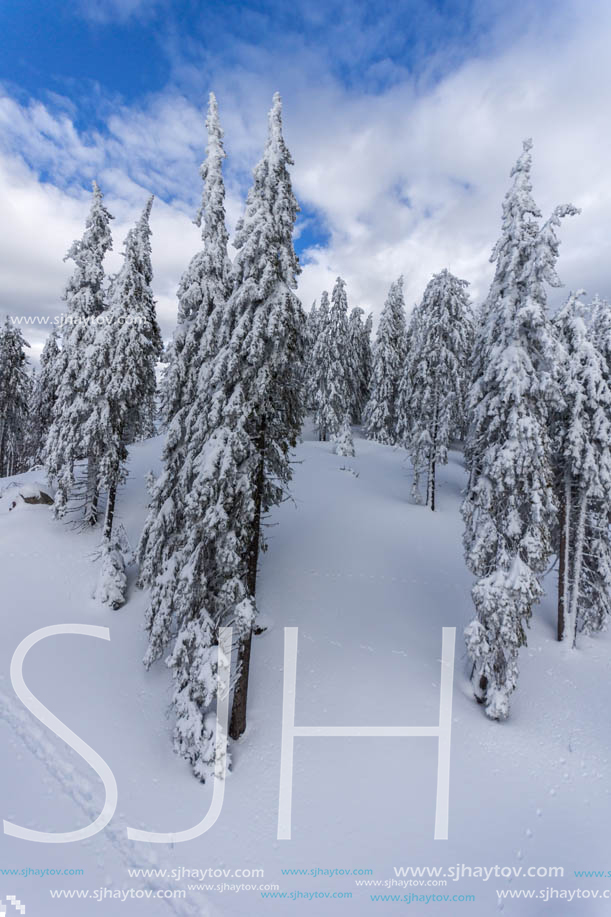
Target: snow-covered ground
x=370 y=579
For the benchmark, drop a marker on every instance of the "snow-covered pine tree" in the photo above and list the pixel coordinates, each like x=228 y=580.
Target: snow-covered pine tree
x=206 y=281
x=14 y=400
x=582 y=450
x=596 y=598
x=227 y=461
x=314 y=319
x=311 y=373
x=42 y=401
x=132 y=343
x=600 y=333
x=388 y=365
x=509 y=509
x=368 y=351
x=78 y=430
x=266 y=354
x=461 y=428
x=344 y=443
x=323 y=314
x=311 y=328
x=332 y=366
x=359 y=358
x=189 y=510
x=438 y=366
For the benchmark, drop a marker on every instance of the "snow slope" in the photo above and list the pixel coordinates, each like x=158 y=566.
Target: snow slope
x=370 y=579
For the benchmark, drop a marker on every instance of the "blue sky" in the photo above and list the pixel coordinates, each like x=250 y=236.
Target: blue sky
x=404 y=119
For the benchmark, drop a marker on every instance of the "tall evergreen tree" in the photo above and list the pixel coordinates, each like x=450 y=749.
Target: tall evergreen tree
x=205 y=283
x=509 y=509
x=185 y=520
x=266 y=350
x=332 y=366
x=438 y=366
x=582 y=449
x=315 y=332
x=311 y=329
x=359 y=359
x=600 y=333
x=597 y=559
x=314 y=321
x=14 y=400
x=44 y=394
x=228 y=460
x=388 y=364
x=132 y=345
x=78 y=429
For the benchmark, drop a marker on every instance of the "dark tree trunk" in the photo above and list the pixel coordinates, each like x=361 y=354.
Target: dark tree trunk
x=112 y=491
x=430 y=497
x=563 y=558
x=240 y=696
x=561 y=571
x=3 y=470
x=110 y=510
x=432 y=485
x=91 y=505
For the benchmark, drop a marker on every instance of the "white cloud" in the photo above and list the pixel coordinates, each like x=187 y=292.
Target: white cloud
x=409 y=180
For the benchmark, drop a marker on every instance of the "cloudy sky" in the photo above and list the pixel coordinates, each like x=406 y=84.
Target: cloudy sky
x=403 y=117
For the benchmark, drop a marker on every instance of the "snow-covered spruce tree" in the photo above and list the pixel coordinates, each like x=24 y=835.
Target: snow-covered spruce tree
x=42 y=400
x=132 y=344
x=597 y=559
x=367 y=346
x=460 y=430
x=323 y=314
x=582 y=450
x=78 y=430
x=359 y=357
x=14 y=400
x=477 y=365
x=206 y=281
x=600 y=333
x=332 y=366
x=388 y=364
x=311 y=328
x=509 y=509
x=314 y=319
x=189 y=510
x=315 y=327
x=142 y=422
x=265 y=355
x=403 y=420
x=226 y=461
x=344 y=443
x=438 y=366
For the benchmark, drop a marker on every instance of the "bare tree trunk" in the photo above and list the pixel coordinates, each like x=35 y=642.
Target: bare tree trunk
x=240 y=696
x=562 y=568
x=430 y=484
x=112 y=490
x=577 y=567
x=564 y=559
x=92 y=497
x=110 y=510
x=3 y=462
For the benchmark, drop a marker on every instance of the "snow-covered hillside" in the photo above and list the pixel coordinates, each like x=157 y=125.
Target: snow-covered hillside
x=370 y=579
